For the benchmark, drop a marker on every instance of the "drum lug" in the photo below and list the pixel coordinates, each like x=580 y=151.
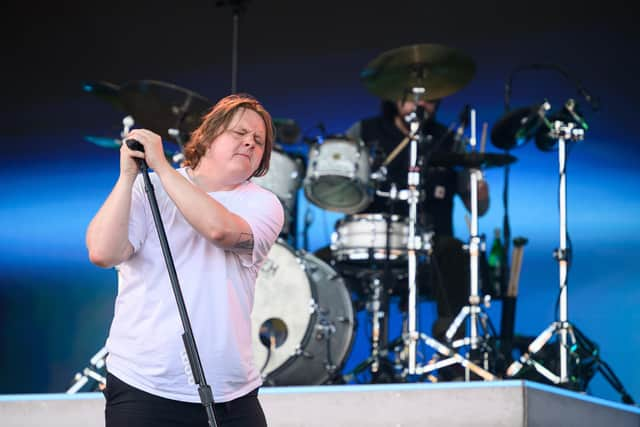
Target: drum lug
x=300 y=352
x=331 y=369
x=313 y=306
x=334 y=276
x=324 y=330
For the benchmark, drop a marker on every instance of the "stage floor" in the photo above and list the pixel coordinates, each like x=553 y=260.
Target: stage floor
x=497 y=403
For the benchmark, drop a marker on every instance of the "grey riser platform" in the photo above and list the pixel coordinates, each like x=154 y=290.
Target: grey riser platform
x=500 y=403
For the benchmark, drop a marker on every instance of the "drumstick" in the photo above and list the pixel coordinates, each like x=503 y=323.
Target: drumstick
x=483 y=137
x=396 y=151
x=516 y=266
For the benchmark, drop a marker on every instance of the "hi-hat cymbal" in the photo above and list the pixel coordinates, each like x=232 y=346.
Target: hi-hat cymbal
x=470 y=160
x=104 y=142
x=440 y=70
x=155 y=105
x=115 y=143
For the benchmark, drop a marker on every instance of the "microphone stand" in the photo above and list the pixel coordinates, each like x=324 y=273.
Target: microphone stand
x=480 y=327
x=237 y=7
x=206 y=394
x=563 y=132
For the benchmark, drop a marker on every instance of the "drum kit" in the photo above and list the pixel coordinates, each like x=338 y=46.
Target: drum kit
x=305 y=303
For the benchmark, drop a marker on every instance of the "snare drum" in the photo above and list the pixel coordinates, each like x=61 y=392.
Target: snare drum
x=338 y=177
x=284 y=178
x=363 y=238
x=303 y=320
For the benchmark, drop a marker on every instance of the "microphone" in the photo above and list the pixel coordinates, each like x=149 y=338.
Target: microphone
x=464 y=117
x=135 y=145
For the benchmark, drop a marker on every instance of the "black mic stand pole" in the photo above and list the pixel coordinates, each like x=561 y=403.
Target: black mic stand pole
x=237 y=7
x=206 y=395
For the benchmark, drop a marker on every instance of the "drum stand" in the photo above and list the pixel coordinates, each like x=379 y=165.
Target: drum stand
x=480 y=326
x=92 y=372
x=566 y=332
x=414 y=243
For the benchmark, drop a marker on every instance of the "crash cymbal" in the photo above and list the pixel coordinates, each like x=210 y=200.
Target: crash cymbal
x=470 y=160
x=161 y=106
x=440 y=70
x=517 y=127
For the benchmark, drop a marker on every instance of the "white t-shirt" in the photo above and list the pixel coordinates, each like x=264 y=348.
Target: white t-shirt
x=145 y=343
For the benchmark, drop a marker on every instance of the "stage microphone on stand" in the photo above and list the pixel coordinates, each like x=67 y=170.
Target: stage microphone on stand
x=135 y=145
x=464 y=117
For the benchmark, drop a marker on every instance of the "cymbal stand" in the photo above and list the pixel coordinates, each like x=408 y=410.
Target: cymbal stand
x=92 y=372
x=414 y=243
x=563 y=132
x=480 y=326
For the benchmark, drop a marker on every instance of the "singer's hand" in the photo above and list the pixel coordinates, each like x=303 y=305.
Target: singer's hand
x=128 y=166
x=153 y=150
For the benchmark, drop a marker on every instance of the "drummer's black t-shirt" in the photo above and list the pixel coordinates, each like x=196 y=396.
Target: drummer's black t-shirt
x=438 y=184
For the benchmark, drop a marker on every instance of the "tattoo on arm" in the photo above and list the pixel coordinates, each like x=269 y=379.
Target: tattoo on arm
x=244 y=242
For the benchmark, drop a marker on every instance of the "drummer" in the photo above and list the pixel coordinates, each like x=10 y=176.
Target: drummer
x=448 y=279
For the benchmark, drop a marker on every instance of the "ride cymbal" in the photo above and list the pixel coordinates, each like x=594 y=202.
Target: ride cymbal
x=440 y=70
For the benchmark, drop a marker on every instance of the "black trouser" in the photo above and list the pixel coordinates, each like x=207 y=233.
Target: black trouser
x=129 y=407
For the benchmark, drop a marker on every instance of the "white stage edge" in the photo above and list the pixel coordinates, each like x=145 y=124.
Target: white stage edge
x=501 y=403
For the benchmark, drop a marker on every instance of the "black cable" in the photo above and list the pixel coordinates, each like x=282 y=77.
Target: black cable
x=266 y=362
x=594 y=102
x=506 y=228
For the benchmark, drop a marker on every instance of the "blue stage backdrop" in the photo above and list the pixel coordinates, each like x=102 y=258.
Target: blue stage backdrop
x=55 y=306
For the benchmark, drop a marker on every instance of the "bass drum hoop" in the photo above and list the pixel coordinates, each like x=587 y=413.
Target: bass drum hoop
x=284 y=375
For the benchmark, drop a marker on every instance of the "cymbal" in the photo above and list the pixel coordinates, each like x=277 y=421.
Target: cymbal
x=104 y=142
x=156 y=105
x=440 y=70
x=115 y=143
x=105 y=90
x=161 y=106
x=517 y=127
x=470 y=160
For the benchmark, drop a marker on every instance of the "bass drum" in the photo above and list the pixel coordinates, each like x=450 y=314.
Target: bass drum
x=303 y=320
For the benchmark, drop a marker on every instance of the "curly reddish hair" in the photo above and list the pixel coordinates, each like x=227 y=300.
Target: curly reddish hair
x=217 y=120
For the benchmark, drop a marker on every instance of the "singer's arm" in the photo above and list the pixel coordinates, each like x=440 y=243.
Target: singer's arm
x=206 y=215
x=107 y=236
x=210 y=218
